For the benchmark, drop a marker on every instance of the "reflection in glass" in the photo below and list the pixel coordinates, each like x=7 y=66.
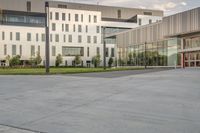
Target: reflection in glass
x=72 y=51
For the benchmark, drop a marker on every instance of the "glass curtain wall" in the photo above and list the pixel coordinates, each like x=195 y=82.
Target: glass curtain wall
x=161 y=53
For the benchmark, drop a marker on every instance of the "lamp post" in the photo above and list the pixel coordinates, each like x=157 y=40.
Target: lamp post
x=104 y=48
x=47 y=36
x=145 y=55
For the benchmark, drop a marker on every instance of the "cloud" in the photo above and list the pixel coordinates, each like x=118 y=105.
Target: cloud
x=183 y=3
x=165 y=7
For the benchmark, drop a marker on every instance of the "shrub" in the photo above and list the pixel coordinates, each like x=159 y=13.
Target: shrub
x=59 y=60
x=14 y=61
x=77 y=60
x=35 y=61
x=96 y=60
x=110 y=62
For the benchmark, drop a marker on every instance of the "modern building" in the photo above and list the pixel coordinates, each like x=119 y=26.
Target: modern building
x=174 y=41
x=75 y=29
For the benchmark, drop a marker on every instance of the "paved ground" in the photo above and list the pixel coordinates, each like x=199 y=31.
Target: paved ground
x=159 y=102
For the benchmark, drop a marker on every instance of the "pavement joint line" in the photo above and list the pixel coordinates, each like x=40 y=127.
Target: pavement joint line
x=20 y=128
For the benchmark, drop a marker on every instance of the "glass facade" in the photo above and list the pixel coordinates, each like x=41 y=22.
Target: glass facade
x=110 y=40
x=111 y=30
x=192 y=43
x=162 y=53
x=72 y=51
x=22 y=18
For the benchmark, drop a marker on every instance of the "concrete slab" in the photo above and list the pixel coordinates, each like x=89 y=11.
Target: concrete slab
x=165 y=101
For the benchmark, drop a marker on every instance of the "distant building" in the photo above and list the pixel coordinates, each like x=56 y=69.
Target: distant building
x=75 y=29
x=174 y=41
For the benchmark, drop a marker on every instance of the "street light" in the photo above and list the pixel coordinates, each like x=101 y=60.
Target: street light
x=47 y=36
x=145 y=55
x=104 y=48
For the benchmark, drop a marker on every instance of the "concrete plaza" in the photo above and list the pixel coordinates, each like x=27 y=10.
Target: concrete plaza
x=156 y=102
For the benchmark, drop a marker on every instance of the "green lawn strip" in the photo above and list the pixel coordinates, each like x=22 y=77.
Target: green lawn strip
x=41 y=71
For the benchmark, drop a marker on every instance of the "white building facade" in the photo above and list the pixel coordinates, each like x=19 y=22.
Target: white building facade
x=75 y=29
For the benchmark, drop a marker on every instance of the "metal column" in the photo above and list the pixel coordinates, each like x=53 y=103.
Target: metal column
x=47 y=36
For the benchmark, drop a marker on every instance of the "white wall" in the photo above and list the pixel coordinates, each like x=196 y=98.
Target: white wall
x=91 y=32
x=26 y=45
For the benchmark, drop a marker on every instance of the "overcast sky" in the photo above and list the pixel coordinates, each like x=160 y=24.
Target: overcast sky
x=168 y=6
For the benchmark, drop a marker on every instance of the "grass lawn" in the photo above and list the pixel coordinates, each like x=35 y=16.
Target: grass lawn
x=41 y=71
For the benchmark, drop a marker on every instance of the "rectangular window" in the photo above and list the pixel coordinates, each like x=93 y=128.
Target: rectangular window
x=3 y=35
x=56 y=16
x=112 y=52
x=119 y=14
x=62 y=6
x=74 y=28
x=51 y=16
x=32 y=50
x=43 y=37
x=95 y=19
x=95 y=39
x=28 y=36
x=17 y=36
x=5 y=49
x=69 y=17
x=57 y=37
x=140 y=21
x=89 y=18
x=79 y=28
x=28 y=5
x=51 y=38
x=88 y=51
x=86 y=29
x=88 y=39
x=76 y=17
x=150 y=21
x=14 y=50
x=70 y=38
x=53 y=50
x=39 y=50
x=64 y=38
x=79 y=39
x=98 y=51
x=147 y=13
x=53 y=27
x=98 y=29
x=37 y=37
x=81 y=17
x=63 y=16
x=11 y=36
x=62 y=27
x=72 y=51
x=107 y=52
x=20 y=50
x=66 y=27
